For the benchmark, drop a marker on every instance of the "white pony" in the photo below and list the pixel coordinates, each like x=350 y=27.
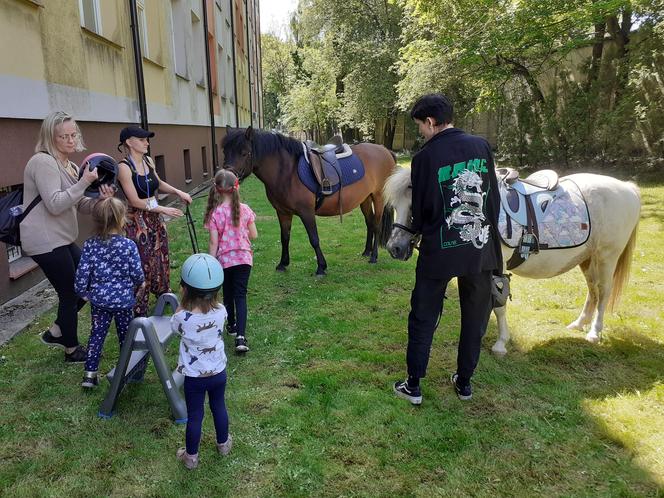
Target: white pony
x=614 y=207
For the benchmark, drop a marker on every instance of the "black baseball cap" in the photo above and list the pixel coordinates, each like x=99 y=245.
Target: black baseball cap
x=134 y=131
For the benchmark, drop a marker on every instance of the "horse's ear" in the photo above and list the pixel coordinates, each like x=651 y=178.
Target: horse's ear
x=249 y=133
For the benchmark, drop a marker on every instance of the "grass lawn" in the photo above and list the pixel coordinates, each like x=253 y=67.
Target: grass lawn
x=311 y=405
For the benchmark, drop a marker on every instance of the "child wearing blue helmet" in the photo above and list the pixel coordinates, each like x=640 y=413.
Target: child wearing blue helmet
x=200 y=321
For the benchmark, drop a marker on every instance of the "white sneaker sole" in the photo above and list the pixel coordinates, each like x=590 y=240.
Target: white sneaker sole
x=460 y=396
x=414 y=400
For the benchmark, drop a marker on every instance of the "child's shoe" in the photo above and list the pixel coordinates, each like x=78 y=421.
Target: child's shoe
x=231 y=330
x=90 y=380
x=241 y=345
x=189 y=461
x=225 y=448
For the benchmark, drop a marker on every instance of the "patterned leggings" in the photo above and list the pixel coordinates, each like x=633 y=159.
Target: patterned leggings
x=101 y=321
x=149 y=232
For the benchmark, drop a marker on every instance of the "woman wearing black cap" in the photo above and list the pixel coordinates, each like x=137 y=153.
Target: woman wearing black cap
x=145 y=226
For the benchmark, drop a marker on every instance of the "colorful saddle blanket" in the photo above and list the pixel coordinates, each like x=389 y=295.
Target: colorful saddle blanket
x=561 y=215
x=351 y=167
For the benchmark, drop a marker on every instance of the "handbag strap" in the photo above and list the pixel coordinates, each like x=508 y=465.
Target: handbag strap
x=32 y=204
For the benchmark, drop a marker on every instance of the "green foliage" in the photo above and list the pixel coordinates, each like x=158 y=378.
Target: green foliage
x=278 y=68
x=570 y=80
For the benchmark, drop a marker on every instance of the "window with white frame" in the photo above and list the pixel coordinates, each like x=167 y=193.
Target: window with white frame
x=143 y=27
x=199 y=49
x=179 y=29
x=90 y=15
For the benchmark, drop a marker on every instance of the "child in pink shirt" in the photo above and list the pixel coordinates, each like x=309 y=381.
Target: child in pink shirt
x=231 y=225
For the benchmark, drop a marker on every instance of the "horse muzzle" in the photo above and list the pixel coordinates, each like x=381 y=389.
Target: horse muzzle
x=402 y=242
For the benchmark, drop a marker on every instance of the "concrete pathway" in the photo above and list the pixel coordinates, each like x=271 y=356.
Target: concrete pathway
x=21 y=311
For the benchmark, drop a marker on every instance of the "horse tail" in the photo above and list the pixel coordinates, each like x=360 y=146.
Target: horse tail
x=385 y=228
x=621 y=273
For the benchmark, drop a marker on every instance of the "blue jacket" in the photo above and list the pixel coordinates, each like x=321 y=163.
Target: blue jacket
x=109 y=272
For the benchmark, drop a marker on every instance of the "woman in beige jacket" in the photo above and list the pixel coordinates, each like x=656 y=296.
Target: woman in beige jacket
x=49 y=232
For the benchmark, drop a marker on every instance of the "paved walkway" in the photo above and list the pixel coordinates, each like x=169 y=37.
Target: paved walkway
x=21 y=311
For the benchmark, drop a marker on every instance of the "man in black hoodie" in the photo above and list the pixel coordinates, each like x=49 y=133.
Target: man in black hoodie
x=455 y=208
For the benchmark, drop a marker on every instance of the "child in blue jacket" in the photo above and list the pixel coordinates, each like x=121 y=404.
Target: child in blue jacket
x=108 y=275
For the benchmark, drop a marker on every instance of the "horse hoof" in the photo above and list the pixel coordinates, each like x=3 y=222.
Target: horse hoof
x=373 y=261
x=499 y=351
x=280 y=268
x=366 y=254
x=592 y=338
x=575 y=326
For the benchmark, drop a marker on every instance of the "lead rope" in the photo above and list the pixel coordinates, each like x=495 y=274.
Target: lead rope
x=192 y=231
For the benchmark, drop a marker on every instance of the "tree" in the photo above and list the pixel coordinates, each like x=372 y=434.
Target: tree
x=361 y=38
x=278 y=70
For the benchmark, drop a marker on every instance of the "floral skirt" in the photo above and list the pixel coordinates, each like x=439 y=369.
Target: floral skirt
x=148 y=231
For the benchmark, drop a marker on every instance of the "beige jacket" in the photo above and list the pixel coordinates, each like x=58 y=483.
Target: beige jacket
x=53 y=222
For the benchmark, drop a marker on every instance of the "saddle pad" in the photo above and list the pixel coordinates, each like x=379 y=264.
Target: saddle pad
x=562 y=218
x=351 y=168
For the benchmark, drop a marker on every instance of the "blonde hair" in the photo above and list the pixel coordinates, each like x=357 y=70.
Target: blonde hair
x=46 y=140
x=109 y=217
x=225 y=182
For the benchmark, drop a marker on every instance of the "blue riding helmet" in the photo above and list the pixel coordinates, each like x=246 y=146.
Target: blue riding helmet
x=202 y=272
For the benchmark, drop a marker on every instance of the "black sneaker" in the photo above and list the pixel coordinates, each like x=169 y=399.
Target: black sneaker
x=231 y=330
x=412 y=394
x=241 y=345
x=50 y=340
x=79 y=355
x=90 y=380
x=463 y=392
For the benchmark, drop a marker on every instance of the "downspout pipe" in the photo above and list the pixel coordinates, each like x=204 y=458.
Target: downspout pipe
x=138 y=64
x=213 y=136
x=237 y=112
x=259 y=63
x=246 y=15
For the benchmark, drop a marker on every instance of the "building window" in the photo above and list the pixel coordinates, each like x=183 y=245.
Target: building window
x=179 y=29
x=187 y=166
x=90 y=15
x=205 y=161
x=160 y=166
x=143 y=27
x=199 y=40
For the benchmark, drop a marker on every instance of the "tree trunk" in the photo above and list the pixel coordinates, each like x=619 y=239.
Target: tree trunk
x=598 y=50
x=521 y=70
x=620 y=33
x=389 y=130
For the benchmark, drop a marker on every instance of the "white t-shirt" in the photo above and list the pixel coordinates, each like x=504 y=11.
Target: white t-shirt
x=201 y=346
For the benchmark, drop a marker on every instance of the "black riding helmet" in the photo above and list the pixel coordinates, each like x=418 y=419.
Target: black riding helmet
x=107 y=172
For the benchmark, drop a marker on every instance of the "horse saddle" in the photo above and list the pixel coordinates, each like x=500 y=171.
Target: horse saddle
x=540 y=212
x=525 y=200
x=324 y=163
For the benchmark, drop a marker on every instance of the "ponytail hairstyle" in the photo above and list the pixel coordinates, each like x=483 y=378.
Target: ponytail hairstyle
x=225 y=183
x=109 y=217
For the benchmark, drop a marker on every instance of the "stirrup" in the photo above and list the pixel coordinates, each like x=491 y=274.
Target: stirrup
x=326 y=188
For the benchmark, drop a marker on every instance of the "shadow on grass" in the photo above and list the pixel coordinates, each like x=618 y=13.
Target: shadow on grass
x=565 y=392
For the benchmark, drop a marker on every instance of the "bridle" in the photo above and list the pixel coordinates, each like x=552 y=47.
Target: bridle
x=413 y=239
x=250 y=159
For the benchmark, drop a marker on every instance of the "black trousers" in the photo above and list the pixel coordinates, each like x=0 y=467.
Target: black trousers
x=236 y=279
x=59 y=266
x=426 y=304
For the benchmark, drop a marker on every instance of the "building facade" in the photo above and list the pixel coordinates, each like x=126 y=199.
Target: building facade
x=188 y=69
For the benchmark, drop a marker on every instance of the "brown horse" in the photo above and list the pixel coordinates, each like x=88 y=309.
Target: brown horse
x=273 y=158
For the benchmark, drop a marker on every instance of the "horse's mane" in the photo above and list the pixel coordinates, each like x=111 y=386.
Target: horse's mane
x=396 y=186
x=264 y=143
